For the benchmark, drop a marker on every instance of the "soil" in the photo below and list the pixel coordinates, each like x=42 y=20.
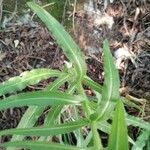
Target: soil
x=26 y=47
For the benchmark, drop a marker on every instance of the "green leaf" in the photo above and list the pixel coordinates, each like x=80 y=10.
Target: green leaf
x=110 y=91
x=137 y=122
x=88 y=139
x=118 y=139
x=34 y=145
x=46 y=131
x=89 y=82
x=106 y=128
x=51 y=118
x=28 y=120
x=33 y=112
x=96 y=138
x=39 y=98
x=52 y=115
x=55 y=111
x=141 y=140
x=57 y=83
x=63 y=39
x=26 y=78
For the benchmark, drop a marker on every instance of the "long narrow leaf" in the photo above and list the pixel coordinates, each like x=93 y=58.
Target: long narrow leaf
x=34 y=145
x=118 y=139
x=63 y=39
x=33 y=112
x=47 y=131
x=106 y=128
x=39 y=98
x=57 y=83
x=89 y=82
x=52 y=115
x=141 y=140
x=28 y=120
x=51 y=118
x=137 y=122
x=55 y=111
x=26 y=78
x=110 y=92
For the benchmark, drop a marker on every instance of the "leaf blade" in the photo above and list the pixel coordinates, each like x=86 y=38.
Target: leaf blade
x=89 y=82
x=26 y=78
x=34 y=145
x=33 y=112
x=141 y=140
x=63 y=39
x=39 y=98
x=110 y=91
x=137 y=122
x=46 y=131
x=118 y=139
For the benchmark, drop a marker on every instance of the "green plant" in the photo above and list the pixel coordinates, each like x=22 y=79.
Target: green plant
x=96 y=111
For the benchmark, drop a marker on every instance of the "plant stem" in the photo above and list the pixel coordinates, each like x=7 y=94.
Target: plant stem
x=85 y=104
x=96 y=138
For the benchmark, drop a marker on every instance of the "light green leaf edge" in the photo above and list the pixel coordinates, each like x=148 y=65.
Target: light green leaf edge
x=39 y=98
x=106 y=128
x=34 y=145
x=47 y=131
x=118 y=138
x=141 y=140
x=92 y=84
x=64 y=40
x=33 y=112
x=137 y=122
x=110 y=90
x=26 y=78
x=55 y=111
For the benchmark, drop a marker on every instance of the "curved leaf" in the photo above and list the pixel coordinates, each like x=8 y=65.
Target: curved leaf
x=141 y=140
x=33 y=112
x=39 y=98
x=28 y=120
x=89 y=82
x=63 y=39
x=26 y=78
x=106 y=128
x=46 y=131
x=58 y=82
x=137 y=122
x=110 y=91
x=34 y=145
x=118 y=139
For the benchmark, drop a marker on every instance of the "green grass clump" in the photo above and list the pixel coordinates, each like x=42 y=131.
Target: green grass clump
x=105 y=105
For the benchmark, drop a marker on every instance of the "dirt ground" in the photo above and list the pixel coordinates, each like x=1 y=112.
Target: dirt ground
x=26 y=47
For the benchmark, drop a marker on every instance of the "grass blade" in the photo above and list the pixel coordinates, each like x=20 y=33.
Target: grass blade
x=34 y=145
x=118 y=139
x=106 y=128
x=63 y=39
x=33 y=112
x=46 y=131
x=52 y=115
x=39 y=98
x=137 y=122
x=28 y=120
x=89 y=82
x=110 y=92
x=51 y=118
x=57 y=83
x=141 y=140
x=26 y=78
